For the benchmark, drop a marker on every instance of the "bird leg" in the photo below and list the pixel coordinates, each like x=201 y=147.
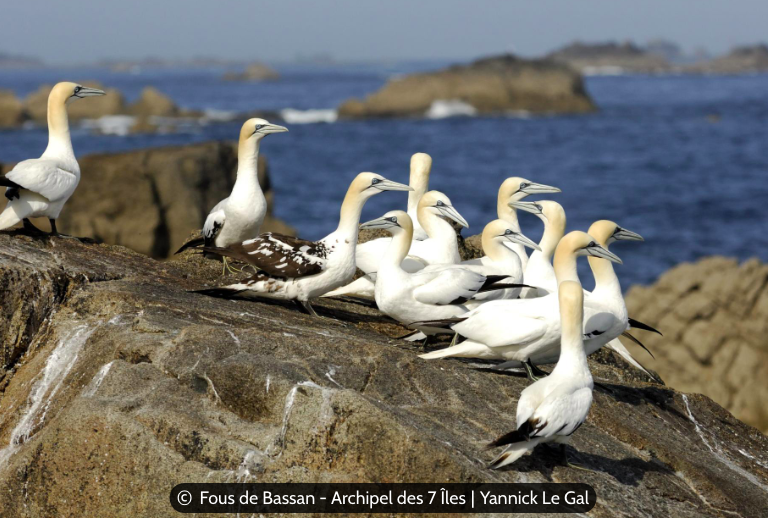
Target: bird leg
x=228 y=268
x=307 y=307
x=569 y=464
x=32 y=230
x=454 y=340
x=534 y=373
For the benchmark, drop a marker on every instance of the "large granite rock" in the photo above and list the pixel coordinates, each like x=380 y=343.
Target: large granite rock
x=152 y=199
x=11 y=110
x=611 y=56
x=741 y=60
x=714 y=316
x=152 y=102
x=491 y=85
x=36 y=104
x=119 y=384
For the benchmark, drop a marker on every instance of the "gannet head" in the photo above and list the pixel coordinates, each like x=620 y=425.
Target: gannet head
x=435 y=202
x=499 y=229
x=516 y=188
x=369 y=184
x=394 y=221
x=582 y=244
x=66 y=92
x=257 y=129
x=546 y=210
x=421 y=165
x=607 y=232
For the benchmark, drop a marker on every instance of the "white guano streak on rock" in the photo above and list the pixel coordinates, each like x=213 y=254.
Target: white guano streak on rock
x=93 y=386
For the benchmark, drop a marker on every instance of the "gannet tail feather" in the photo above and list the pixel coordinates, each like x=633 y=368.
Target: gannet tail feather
x=639 y=325
x=466 y=349
x=10 y=217
x=362 y=287
x=503 y=286
x=638 y=342
x=512 y=453
x=221 y=293
x=444 y=323
x=618 y=347
x=192 y=243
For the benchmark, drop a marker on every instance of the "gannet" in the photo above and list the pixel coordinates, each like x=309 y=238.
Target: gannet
x=441 y=247
x=499 y=259
x=435 y=292
x=239 y=217
x=539 y=271
x=40 y=187
x=552 y=408
x=421 y=166
x=295 y=269
x=516 y=189
x=518 y=329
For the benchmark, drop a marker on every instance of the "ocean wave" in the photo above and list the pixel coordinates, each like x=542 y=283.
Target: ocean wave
x=603 y=71
x=111 y=124
x=214 y=115
x=441 y=109
x=292 y=116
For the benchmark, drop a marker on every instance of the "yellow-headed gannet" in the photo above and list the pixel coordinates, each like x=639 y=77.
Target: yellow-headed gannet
x=539 y=271
x=295 y=269
x=40 y=187
x=239 y=217
x=421 y=166
x=552 y=408
x=433 y=293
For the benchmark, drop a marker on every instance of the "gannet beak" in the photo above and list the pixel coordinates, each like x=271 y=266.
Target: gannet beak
x=527 y=206
x=382 y=222
x=539 y=188
x=273 y=128
x=517 y=237
x=389 y=185
x=89 y=92
x=622 y=234
x=602 y=253
x=449 y=212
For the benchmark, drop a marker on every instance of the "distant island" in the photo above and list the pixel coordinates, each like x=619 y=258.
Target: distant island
x=17 y=61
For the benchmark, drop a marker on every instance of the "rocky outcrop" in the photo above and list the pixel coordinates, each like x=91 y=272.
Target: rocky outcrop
x=491 y=85
x=11 y=110
x=152 y=102
x=254 y=72
x=741 y=60
x=151 y=200
x=623 y=57
x=36 y=104
x=120 y=378
x=714 y=316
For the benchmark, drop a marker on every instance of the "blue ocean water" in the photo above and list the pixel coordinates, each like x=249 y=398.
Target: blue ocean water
x=680 y=159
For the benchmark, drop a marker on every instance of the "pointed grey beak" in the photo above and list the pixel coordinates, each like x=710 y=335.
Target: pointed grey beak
x=622 y=234
x=389 y=185
x=602 y=253
x=90 y=92
x=449 y=212
x=517 y=237
x=539 y=188
x=382 y=222
x=527 y=206
x=273 y=128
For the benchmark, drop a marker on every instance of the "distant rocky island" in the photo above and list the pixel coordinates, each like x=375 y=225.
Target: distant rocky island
x=596 y=57
x=494 y=85
x=17 y=61
x=741 y=60
x=253 y=72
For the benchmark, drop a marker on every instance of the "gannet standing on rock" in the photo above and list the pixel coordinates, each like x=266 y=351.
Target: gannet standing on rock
x=552 y=408
x=300 y=270
x=239 y=217
x=539 y=271
x=40 y=187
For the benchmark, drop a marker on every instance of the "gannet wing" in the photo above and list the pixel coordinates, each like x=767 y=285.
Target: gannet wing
x=598 y=323
x=446 y=286
x=498 y=326
x=413 y=264
x=284 y=256
x=44 y=177
x=214 y=222
x=368 y=255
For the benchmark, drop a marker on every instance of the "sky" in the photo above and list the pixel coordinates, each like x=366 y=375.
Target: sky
x=63 y=32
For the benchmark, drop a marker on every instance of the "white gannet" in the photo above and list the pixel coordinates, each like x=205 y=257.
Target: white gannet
x=421 y=166
x=40 y=187
x=433 y=293
x=552 y=408
x=539 y=271
x=295 y=269
x=239 y=216
x=516 y=189
x=499 y=258
x=441 y=247
x=518 y=329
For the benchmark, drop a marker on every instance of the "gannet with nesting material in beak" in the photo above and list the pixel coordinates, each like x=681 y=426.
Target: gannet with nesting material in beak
x=300 y=270
x=239 y=217
x=435 y=292
x=519 y=329
x=40 y=187
x=499 y=259
x=539 y=271
x=516 y=189
x=441 y=247
x=553 y=408
x=421 y=166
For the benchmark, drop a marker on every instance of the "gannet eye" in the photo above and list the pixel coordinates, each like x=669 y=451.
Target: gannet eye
x=508 y=232
x=439 y=203
x=259 y=126
x=523 y=185
x=375 y=181
x=77 y=89
x=591 y=244
x=393 y=219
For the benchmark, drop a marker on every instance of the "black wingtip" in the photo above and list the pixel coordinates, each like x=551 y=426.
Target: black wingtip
x=192 y=243
x=443 y=324
x=639 y=325
x=219 y=293
x=508 y=438
x=638 y=342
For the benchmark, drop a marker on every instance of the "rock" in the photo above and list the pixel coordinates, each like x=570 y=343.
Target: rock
x=147 y=385
x=714 y=316
x=150 y=200
x=741 y=60
x=36 y=104
x=597 y=57
x=153 y=103
x=11 y=110
x=254 y=72
x=491 y=85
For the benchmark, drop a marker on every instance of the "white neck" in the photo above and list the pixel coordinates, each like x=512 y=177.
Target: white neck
x=59 y=139
x=573 y=359
x=439 y=230
x=553 y=233
x=397 y=250
x=420 y=183
x=247 y=182
x=349 y=218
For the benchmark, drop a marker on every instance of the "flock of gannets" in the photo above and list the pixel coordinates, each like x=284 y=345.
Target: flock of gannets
x=506 y=305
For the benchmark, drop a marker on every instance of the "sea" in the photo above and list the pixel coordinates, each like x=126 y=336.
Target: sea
x=682 y=160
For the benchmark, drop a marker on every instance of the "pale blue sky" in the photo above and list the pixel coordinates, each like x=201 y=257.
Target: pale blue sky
x=77 y=31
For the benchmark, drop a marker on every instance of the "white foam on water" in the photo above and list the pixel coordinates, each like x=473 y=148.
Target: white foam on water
x=293 y=116
x=111 y=124
x=444 y=108
x=603 y=71
x=46 y=385
x=214 y=115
